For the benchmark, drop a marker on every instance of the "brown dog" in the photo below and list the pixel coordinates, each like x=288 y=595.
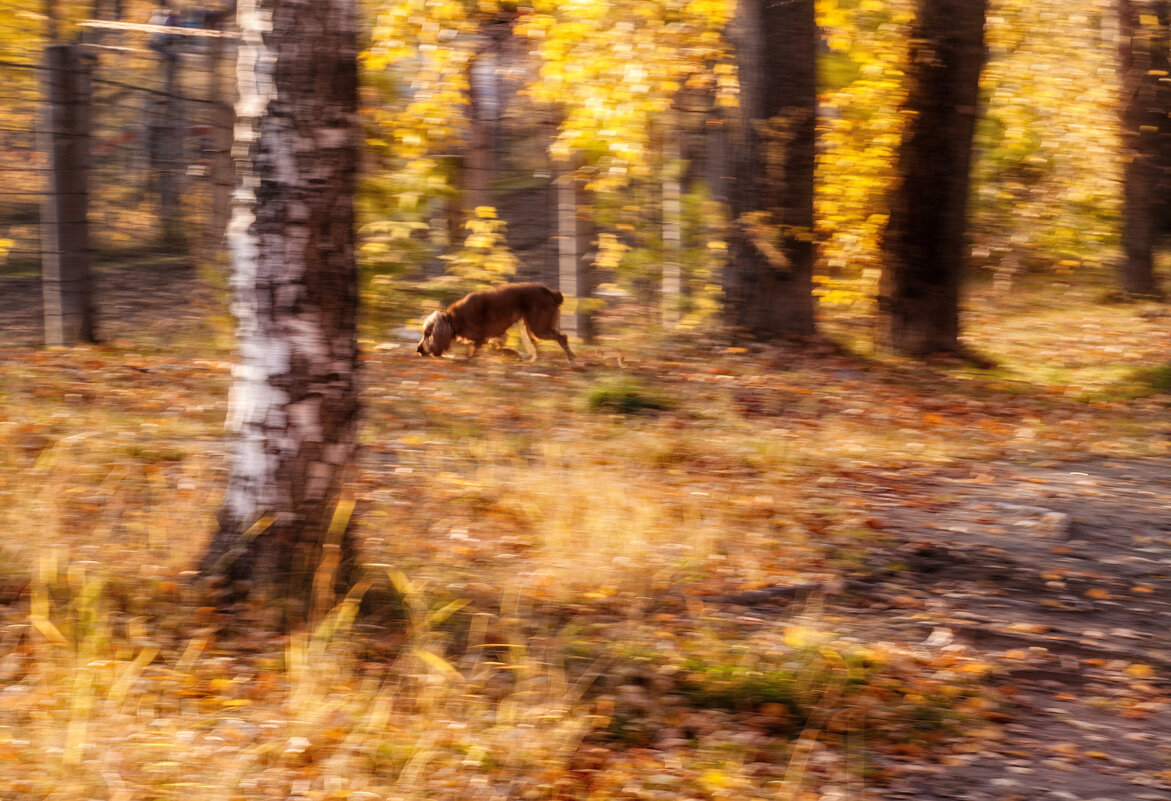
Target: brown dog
x=488 y=314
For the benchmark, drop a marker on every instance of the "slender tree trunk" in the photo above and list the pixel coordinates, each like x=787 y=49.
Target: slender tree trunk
x=480 y=162
x=222 y=117
x=1146 y=102
x=672 y=221
x=770 y=240
x=923 y=244
x=295 y=395
x=717 y=172
x=574 y=267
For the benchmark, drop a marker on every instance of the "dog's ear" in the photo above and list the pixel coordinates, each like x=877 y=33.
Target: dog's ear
x=437 y=334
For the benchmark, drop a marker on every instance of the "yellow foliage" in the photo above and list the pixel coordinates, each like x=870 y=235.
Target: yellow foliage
x=485 y=256
x=859 y=138
x=1049 y=182
x=610 y=251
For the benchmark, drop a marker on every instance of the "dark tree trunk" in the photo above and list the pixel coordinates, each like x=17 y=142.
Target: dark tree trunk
x=479 y=161
x=485 y=103
x=295 y=395
x=1143 y=64
x=770 y=240
x=923 y=246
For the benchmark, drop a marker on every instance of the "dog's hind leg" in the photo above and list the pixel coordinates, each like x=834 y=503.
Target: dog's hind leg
x=530 y=341
x=563 y=341
x=547 y=331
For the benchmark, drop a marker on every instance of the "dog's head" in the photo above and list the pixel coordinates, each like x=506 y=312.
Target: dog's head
x=437 y=335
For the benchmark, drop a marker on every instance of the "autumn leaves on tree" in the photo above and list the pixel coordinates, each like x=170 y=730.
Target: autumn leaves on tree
x=889 y=89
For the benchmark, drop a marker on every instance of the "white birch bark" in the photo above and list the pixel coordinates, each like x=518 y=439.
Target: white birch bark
x=293 y=401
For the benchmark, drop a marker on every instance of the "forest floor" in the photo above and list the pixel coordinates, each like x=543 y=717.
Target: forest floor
x=682 y=569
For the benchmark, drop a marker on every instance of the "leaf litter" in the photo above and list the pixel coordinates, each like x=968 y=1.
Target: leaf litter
x=798 y=572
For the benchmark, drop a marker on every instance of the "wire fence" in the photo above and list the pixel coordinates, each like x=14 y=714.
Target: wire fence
x=158 y=117
x=152 y=116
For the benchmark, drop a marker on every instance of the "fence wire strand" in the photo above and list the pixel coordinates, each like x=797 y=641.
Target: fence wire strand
x=159 y=111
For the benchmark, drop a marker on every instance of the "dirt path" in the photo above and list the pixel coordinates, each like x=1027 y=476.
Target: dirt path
x=1061 y=576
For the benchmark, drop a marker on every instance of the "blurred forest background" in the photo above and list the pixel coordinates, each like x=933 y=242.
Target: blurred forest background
x=482 y=106
x=858 y=489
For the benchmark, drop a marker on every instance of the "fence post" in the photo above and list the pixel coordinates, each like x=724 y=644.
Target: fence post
x=171 y=152
x=65 y=269
x=223 y=171
x=568 y=264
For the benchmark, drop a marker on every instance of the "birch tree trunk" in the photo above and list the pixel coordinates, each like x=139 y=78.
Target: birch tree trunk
x=294 y=397
x=923 y=245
